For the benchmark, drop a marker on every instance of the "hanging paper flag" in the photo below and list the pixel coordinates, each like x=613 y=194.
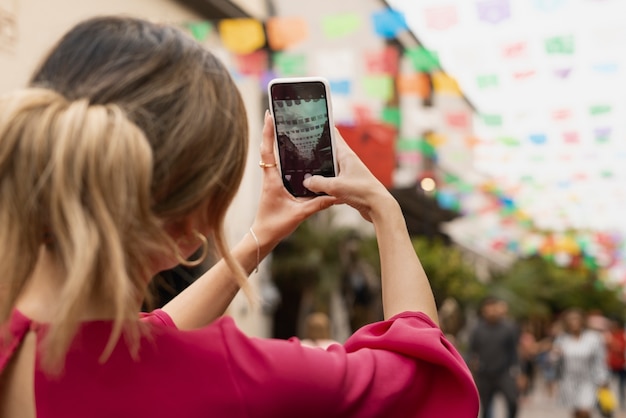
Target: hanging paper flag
x=606 y=67
x=341 y=87
x=458 y=120
x=444 y=84
x=384 y=61
x=435 y=139
x=242 y=36
x=266 y=77
x=388 y=23
x=409 y=157
x=427 y=149
x=571 y=137
x=285 y=32
x=493 y=11
x=538 y=139
x=447 y=200
x=362 y=114
x=487 y=81
x=392 y=116
x=338 y=26
x=374 y=144
x=560 y=45
x=423 y=60
x=509 y=141
x=414 y=84
x=290 y=65
x=492 y=120
x=514 y=50
x=524 y=75
x=549 y=5
x=254 y=64
x=441 y=17
x=199 y=30
x=561 y=114
x=472 y=141
x=378 y=86
x=602 y=135
x=562 y=73
x=409 y=144
x=599 y=110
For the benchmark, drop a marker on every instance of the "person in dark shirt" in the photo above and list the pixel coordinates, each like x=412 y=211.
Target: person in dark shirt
x=493 y=356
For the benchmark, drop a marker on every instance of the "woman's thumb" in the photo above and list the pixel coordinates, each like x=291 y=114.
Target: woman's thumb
x=318 y=184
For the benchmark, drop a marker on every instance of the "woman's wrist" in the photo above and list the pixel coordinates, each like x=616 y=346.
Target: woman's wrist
x=385 y=209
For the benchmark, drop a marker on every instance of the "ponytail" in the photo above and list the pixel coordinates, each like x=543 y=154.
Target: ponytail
x=76 y=177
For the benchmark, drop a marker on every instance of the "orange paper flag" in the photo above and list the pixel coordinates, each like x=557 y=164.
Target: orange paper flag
x=414 y=84
x=242 y=36
x=284 y=32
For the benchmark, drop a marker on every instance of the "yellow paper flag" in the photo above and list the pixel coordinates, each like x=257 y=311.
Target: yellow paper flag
x=242 y=36
x=444 y=84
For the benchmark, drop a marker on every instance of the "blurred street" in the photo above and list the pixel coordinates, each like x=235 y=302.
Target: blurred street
x=540 y=405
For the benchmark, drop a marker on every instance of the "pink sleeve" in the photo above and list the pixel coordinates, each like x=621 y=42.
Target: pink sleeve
x=402 y=367
x=157 y=317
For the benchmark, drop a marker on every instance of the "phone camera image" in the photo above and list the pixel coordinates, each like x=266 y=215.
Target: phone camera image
x=303 y=134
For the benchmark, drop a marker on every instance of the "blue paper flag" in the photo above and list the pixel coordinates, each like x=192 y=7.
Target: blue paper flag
x=341 y=87
x=388 y=23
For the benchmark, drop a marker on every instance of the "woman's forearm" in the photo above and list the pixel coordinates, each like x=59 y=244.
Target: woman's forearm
x=405 y=286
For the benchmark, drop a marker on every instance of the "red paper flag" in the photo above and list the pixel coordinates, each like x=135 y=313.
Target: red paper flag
x=441 y=17
x=374 y=143
x=457 y=120
x=382 y=62
x=254 y=64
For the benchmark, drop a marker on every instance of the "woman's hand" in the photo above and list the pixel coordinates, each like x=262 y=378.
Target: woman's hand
x=355 y=185
x=279 y=212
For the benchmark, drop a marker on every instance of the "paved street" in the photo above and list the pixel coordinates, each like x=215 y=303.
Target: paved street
x=538 y=405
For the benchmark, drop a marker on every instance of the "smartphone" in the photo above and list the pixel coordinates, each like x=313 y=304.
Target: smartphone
x=304 y=130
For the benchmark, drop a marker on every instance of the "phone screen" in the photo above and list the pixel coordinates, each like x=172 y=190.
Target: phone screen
x=303 y=133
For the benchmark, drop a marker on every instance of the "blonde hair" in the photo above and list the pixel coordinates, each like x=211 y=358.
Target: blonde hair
x=120 y=83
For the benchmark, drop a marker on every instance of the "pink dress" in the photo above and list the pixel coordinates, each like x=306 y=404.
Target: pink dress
x=402 y=367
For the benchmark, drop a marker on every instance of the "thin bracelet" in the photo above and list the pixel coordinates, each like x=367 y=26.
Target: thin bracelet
x=258 y=250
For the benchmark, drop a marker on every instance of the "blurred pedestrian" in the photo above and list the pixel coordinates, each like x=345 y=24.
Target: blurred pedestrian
x=494 y=358
x=616 y=358
x=528 y=350
x=582 y=364
x=317 y=331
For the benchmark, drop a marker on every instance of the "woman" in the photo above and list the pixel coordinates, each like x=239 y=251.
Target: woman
x=118 y=163
x=582 y=364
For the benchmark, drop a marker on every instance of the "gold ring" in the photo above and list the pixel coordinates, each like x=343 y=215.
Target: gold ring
x=266 y=165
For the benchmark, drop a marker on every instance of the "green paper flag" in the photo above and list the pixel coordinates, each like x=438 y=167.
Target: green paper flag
x=392 y=116
x=341 y=25
x=560 y=45
x=486 y=81
x=200 y=30
x=408 y=144
x=510 y=141
x=492 y=120
x=599 y=110
x=290 y=65
x=450 y=178
x=423 y=60
x=378 y=87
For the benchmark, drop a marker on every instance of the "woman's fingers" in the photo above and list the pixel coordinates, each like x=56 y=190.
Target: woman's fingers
x=267 y=143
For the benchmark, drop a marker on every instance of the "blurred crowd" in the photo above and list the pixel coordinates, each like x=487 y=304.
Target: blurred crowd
x=578 y=361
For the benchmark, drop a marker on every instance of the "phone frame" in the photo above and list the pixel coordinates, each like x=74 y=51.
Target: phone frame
x=329 y=108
